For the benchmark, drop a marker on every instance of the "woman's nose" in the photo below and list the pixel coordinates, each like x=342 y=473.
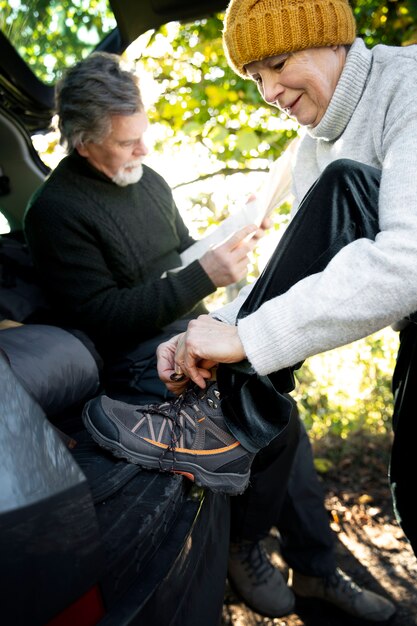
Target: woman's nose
x=271 y=89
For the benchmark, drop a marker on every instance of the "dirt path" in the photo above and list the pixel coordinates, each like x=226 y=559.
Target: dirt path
x=370 y=545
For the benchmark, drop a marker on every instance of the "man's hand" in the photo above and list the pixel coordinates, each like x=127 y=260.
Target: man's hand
x=166 y=365
x=169 y=368
x=206 y=343
x=227 y=262
x=265 y=225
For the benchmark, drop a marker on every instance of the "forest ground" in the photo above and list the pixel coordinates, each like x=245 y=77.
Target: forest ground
x=370 y=545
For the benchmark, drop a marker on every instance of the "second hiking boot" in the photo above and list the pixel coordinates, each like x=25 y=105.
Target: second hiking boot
x=186 y=436
x=341 y=591
x=260 y=585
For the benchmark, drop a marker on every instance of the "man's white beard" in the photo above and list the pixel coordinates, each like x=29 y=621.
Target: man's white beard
x=129 y=176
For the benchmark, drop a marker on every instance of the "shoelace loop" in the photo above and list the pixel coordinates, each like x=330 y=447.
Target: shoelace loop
x=172 y=412
x=258 y=564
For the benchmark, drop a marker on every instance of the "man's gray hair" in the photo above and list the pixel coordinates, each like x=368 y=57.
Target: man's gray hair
x=90 y=93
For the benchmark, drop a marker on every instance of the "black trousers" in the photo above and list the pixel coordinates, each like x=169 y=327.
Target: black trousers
x=307 y=541
x=255 y=511
x=341 y=207
x=402 y=468
x=293 y=503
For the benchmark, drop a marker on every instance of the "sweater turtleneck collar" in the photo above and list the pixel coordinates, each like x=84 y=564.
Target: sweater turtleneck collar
x=347 y=94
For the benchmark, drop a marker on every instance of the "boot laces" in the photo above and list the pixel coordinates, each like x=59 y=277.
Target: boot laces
x=343 y=583
x=172 y=411
x=256 y=562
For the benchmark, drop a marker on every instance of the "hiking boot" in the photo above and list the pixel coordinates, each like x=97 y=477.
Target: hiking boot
x=340 y=590
x=260 y=585
x=186 y=436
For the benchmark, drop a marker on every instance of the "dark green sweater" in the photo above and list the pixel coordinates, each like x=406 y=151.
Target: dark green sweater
x=101 y=250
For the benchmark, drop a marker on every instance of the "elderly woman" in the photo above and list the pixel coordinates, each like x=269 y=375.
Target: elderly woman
x=345 y=267
x=347 y=264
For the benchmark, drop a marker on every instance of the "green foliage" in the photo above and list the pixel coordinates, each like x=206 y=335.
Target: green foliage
x=349 y=389
x=51 y=34
x=202 y=101
x=393 y=22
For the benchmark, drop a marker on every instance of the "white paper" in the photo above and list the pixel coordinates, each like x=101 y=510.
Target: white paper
x=275 y=190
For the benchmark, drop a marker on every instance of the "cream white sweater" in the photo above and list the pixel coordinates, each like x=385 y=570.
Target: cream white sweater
x=372 y=118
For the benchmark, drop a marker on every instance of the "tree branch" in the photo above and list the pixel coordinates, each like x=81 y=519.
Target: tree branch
x=225 y=171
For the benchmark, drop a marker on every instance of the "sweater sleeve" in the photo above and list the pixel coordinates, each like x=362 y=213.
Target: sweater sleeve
x=76 y=275
x=367 y=286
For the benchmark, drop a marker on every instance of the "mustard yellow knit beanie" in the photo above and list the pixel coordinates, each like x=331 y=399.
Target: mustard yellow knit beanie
x=257 y=29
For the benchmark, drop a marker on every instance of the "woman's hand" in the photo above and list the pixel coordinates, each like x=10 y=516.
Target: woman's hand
x=206 y=343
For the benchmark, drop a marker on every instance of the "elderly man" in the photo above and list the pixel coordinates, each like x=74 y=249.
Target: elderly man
x=104 y=228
